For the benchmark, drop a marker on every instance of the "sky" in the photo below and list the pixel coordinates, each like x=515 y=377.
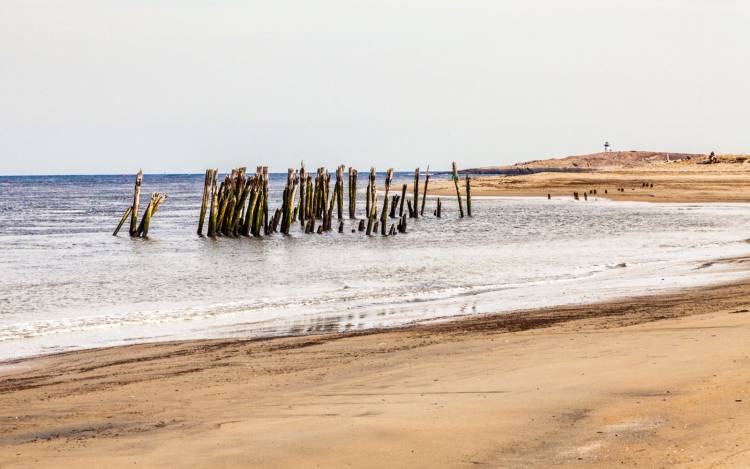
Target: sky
x=110 y=86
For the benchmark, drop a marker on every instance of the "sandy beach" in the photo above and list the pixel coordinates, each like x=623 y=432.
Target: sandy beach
x=688 y=183
x=656 y=381
x=649 y=381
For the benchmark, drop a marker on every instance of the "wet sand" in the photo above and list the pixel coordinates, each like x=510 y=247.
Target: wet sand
x=672 y=183
x=661 y=381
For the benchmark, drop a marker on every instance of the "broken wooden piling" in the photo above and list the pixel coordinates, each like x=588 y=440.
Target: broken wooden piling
x=402 y=200
x=424 y=194
x=468 y=195
x=157 y=198
x=136 y=204
x=214 y=205
x=394 y=206
x=122 y=220
x=204 y=200
x=384 y=214
x=352 y=193
x=458 y=191
x=415 y=214
x=373 y=202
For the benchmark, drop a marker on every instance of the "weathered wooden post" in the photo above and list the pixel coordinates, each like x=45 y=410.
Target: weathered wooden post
x=394 y=206
x=157 y=199
x=468 y=195
x=292 y=212
x=275 y=220
x=368 y=198
x=326 y=194
x=204 y=201
x=122 y=220
x=329 y=213
x=352 y=193
x=439 y=207
x=238 y=221
x=223 y=202
x=289 y=196
x=373 y=202
x=402 y=224
x=214 y=204
x=265 y=197
x=309 y=198
x=302 y=194
x=252 y=197
x=401 y=201
x=136 y=204
x=257 y=212
x=384 y=214
x=229 y=214
x=424 y=194
x=416 y=194
x=458 y=191
x=340 y=192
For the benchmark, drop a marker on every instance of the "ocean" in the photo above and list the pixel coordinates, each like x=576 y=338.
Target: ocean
x=66 y=283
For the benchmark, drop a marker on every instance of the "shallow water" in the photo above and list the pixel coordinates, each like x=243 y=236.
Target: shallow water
x=67 y=283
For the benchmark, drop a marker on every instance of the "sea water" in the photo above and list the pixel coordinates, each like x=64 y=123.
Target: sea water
x=67 y=283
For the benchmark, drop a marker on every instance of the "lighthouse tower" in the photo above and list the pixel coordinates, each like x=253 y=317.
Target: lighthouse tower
x=607 y=147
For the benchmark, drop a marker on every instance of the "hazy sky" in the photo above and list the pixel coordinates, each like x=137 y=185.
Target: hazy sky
x=177 y=86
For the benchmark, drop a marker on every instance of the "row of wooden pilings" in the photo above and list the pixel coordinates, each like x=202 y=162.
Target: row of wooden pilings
x=238 y=206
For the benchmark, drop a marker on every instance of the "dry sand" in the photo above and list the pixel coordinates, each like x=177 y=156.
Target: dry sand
x=671 y=183
x=658 y=381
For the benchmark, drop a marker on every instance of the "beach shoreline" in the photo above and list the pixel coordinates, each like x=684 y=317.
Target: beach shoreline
x=549 y=376
x=652 y=379
x=727 y=183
